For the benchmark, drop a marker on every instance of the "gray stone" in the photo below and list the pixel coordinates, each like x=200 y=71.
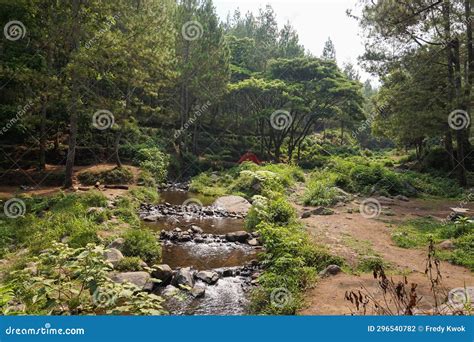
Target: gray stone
x=162 y=272
x=198 y=291
x=113 y=256
x=253 y=242
x=240 y=236
x=385 y=200
x=322 y=211
x=402 y=198
x=117 y=243
x=169 y=291
x=446 y=245
x=196 y=229
x=141 y=279
x=183 y=277
x=232 y=203
x=306 y=214
x=95 y=210
x=209 y=277
x=330 y=270
x=151 y=218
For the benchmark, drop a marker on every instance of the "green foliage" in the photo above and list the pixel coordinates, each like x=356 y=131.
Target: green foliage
x=129 y=264
x=50 y=219
x=145 y=195
x=277 y=211
x=118 y=175
x=292 y=262
x=146 y=178
x=153 y=160
x=75 y=281
x=142 y=243
x=357 y=174
x=320 y=192
x=418 y=233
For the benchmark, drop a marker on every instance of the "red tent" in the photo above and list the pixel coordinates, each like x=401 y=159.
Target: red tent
x=249 y=156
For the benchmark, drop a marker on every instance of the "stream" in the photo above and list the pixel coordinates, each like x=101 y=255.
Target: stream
x=206 y=250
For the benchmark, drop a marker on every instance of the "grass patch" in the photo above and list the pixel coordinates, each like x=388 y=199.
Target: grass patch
x=118 y=175
x=291 y=260
x=418 y=233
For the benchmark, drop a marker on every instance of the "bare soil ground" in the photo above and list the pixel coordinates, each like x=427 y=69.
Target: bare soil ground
x=7 y=191
x=346 y=234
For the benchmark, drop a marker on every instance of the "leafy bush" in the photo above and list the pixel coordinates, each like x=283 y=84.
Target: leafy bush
x=118 y=175
x=142 y=243
x=129 y=264
x=292 y=262
x=320 y=192
x=145 y=178
x=153 y=160
x=278 y=211
x=75 y=281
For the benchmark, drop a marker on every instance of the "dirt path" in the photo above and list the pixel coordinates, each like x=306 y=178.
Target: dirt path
x=347 y=233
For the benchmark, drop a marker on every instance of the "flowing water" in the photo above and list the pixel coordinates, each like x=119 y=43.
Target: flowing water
x=229 y=296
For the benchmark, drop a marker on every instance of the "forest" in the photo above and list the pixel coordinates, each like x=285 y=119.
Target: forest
x=158 y=159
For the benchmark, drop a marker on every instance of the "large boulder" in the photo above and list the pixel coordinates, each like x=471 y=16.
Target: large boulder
x=162 y=272
x=240 y=236
x=198 y=291
x=330 y=270
x=142 y=280
x=183 y=277
x=113 y=256
x=117 y=243
x=446 y=245
x=209 y=277
x=232 y=203
x=169 y=291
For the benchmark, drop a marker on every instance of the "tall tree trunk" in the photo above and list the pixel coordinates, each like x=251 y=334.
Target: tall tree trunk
x=453 y=86
x=118 y=137
x=71 y=154
x=460 y=134
x=42 y=145
x=448 y=145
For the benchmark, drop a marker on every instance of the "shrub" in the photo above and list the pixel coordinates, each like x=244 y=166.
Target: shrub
x=118 y=175
x=277 y=211
x=142 y=243
x=153 y=160
x=145 y=178
x=292 y=262
x=320 y=193
x=129 y=264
